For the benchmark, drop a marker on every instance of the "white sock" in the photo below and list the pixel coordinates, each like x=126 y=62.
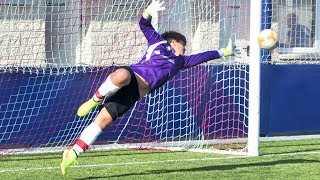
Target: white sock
x=106 y=89
x=87 y=138
x=77 y=149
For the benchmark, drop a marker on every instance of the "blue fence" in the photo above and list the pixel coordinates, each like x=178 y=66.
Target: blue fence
x=41 y=108
x=289 y=99
x=43 y=112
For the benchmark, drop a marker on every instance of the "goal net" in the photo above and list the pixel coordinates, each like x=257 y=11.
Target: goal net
x=54 y=54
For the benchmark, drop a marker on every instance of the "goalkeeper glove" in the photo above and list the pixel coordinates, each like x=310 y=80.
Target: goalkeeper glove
x=154 y=8
x=229 y=50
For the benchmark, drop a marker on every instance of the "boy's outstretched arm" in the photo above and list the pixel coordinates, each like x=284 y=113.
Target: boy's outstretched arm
x=145 y=22
x=195 y=59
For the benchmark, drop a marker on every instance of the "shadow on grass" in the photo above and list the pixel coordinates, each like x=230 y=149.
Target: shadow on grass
x=207 y=168
x=293 y=152
x=126 y=153
x=36 y=157
x=29 y=158
x=286 y=148
x=280 y=145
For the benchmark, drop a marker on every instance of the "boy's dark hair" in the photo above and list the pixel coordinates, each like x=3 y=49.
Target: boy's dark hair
x=173 y=35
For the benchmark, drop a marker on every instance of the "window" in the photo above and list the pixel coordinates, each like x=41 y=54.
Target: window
x=19 y=2
x=298 y=26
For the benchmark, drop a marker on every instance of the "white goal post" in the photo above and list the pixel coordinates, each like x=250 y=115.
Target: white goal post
x=254 y=79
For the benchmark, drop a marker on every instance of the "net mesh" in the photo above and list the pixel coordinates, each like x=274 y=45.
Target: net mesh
x=55 y=54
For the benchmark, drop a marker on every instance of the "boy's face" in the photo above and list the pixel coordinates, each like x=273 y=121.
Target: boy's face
x=178 y=46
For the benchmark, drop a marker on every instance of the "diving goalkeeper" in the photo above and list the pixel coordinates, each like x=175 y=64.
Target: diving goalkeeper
x=126 y=85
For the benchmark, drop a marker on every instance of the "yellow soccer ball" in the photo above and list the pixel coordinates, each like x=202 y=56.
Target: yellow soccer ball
x=268 y=39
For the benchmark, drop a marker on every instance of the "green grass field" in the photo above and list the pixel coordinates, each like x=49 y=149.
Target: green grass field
x=278 y=160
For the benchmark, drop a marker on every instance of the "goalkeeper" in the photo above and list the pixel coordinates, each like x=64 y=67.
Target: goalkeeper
x=122 y=88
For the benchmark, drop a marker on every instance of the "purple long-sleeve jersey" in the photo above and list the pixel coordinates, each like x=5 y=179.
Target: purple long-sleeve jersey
x=160 y=63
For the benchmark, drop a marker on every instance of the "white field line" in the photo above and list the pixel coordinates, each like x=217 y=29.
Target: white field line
x=152 y=162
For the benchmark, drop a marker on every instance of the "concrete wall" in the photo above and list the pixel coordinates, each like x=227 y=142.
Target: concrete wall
x=22 y=36
x=68 y=33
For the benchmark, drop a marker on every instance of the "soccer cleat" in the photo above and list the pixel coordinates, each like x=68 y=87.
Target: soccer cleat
x=69 y=157
x=229 y=50
x=86 y=107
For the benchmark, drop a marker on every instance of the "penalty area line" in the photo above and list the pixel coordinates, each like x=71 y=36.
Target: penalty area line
x=153 y=162
x=120 y=164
